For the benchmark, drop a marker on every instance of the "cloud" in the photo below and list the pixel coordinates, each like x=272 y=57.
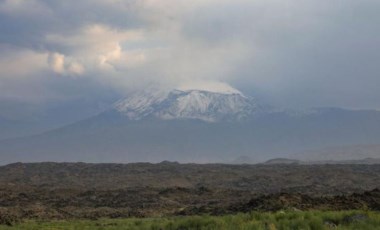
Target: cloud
x=291 y=53
x=96 y=48
x=24 y=8
x=20 y=63
x=59 y=64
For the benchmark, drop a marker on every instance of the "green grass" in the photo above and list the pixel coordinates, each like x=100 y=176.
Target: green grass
x=311 y=220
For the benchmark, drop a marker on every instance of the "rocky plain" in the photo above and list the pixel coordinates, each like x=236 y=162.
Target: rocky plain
x=92 y=191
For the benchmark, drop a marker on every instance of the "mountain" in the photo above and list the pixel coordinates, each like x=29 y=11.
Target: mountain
x=196 y=125
x=190 y=104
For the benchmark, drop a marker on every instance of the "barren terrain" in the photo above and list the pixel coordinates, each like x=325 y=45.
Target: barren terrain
x=79 y=190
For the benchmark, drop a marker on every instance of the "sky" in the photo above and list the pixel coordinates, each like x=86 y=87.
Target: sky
x=71 y=59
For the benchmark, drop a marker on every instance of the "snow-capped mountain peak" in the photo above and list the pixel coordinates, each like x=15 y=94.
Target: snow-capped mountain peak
x=214 y=87
x=187 y=104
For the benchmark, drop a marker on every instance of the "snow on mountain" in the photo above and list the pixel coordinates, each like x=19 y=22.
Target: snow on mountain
x=210 y=86
x=141 y=104
x=210 y=106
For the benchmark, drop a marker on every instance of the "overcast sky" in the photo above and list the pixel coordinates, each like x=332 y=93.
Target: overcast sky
x=290 y=53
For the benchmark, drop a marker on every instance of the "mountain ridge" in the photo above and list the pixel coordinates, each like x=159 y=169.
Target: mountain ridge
x=187 y=104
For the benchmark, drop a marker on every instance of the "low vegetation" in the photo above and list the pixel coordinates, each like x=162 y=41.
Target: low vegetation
x=312 y=220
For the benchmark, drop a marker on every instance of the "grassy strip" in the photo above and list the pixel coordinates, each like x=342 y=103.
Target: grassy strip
x=313 y=220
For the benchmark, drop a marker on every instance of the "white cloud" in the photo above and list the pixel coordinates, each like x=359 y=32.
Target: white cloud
x=96 y=48
x=59 y=64
x=97 y=37
x=75 y=68
x=21 y=63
